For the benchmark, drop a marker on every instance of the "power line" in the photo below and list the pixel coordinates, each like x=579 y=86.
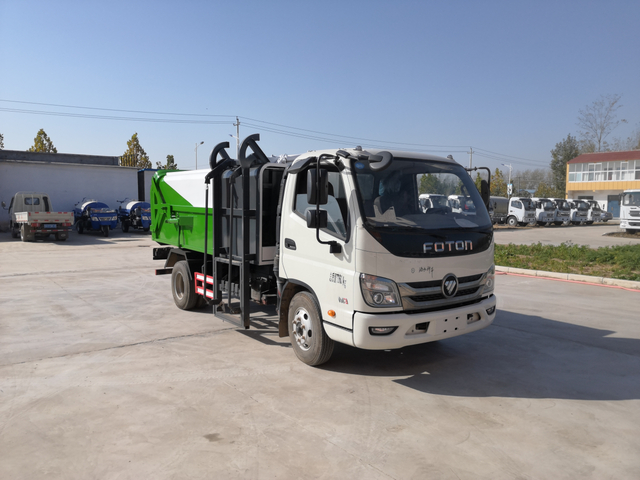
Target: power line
x=262 y=125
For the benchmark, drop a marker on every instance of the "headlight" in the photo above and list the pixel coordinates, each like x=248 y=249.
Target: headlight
x=378 y=291
x=95 y=219
x=490 y=280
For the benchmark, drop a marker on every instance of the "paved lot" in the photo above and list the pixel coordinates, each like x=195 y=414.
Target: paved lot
x=101 y=376
x=592 y=235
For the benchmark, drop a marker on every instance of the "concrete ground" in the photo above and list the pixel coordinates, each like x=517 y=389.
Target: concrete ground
x=592 y=235
x=101 y=376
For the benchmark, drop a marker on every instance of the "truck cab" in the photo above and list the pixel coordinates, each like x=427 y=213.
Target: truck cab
x=545 y=210
x=522 y=211
x=595 y=212
x=630 y=211
x=579 y=211
x=562 y=214
x=433 y=200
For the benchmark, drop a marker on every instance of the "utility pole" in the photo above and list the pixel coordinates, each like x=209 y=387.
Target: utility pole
x=237 y=125
x=470 y=157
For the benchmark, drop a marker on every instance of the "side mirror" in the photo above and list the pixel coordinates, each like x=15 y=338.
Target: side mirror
x=484 y=192
x=317 y=219
x=317 y=196
x=4 y=205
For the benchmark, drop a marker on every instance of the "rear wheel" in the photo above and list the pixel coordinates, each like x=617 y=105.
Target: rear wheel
x=310 y=342
x=61 y=237
x=183 y=286
x=24 y=236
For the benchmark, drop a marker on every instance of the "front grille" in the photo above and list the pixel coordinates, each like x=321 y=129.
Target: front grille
x=428 y=295
x=440 y=296
x=635 y=214
x=437 y=283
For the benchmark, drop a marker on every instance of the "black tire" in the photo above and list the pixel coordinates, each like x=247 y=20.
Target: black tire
x=60 y=237
x=512 y=222
x=125 y=226
x=15 y=232
x=79 y=227
x=183 y=286
x=23 y=235
x=105 y=230
x=541 y=224
x=145 y=229
x=310 y=342
x=631 y=230
x=589 y=223
x=557 y=223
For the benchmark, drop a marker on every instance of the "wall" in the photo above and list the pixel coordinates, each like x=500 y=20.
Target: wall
x=58 y=157
x=68 y=184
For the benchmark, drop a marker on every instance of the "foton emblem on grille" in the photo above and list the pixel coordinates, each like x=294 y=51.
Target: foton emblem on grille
x=459 y=245
x=450 y=285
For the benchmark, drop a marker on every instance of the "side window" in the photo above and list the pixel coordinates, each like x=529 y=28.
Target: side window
x=517 y=204
x=336 y=207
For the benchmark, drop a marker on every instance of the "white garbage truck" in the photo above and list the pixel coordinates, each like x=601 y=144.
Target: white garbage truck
x=545 y=210
x=522 y=211
x=579 y=211
x=562 y=214
x=335 y=239
x=630 y=211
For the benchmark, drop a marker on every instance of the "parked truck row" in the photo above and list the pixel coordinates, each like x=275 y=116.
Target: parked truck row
x=337 y=240
x=32 y=217
x=521 y=211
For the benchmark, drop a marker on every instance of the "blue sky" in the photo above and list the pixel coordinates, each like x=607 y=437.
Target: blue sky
x=506 y=78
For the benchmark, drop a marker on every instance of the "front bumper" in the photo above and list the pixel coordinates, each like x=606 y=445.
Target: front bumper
x=411 y=327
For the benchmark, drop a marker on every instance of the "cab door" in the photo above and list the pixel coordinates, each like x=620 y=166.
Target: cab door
x=304 y=260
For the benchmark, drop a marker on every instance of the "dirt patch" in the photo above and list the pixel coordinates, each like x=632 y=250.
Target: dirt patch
x=623 y=235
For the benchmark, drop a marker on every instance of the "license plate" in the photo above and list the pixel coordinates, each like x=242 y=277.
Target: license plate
x=50 y=225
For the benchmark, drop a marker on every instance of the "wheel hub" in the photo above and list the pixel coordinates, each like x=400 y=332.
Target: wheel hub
x=302 y=331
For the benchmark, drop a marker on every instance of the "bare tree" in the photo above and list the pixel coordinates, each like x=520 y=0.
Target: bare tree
x=598 y=120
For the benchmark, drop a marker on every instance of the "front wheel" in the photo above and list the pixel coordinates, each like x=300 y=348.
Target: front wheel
x=105 y=230
x=125 y=226
x=310 y=342
x=512 y=222
x=183 y=286
x=79 y=226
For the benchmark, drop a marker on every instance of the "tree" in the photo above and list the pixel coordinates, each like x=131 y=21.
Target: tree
x=1 y=141
x=498 y=184
x=566 y=150
x=430 y=184
x=170 y=165
x=599 y=119
x=545 y=190
x=478 y=182
x=42 y=143
x=134 y=155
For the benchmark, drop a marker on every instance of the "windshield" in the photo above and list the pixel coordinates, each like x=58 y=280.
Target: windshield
x=595 y=206
x=631 y=199
x=581 y=205
x=547 y=205
x=528 y=204
x=562 y=205
x=421 y=195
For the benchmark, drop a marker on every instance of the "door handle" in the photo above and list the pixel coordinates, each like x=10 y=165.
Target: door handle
x=290 y=244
